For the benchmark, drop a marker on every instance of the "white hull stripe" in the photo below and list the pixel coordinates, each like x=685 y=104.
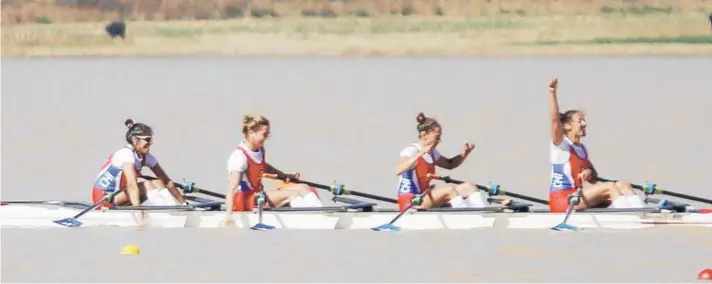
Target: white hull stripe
x=21 y=216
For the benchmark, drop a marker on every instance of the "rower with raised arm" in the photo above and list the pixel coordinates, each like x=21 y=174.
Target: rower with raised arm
x=419 y=159
x=571 y=165
x=247 y=164
x=122 y=169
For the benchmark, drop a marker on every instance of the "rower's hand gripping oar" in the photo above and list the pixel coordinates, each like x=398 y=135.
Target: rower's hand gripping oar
x=416 y=201
x=73 y=222
x=494 y=190
x=335 y=189
x=651 y=188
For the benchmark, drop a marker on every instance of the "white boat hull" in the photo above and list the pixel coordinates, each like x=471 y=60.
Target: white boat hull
x=28 y=216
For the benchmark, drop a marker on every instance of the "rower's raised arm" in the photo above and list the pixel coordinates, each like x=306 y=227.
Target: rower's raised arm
x=557 y=129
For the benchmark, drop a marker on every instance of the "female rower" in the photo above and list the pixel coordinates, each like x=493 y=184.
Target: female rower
x=419 y=159
x=572 y=165
x=121 y=171
x=247 y=164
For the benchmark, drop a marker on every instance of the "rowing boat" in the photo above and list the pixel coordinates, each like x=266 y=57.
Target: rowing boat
x=41 y=214
x=351 y=213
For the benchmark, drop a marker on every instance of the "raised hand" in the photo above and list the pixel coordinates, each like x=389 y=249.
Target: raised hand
x=467 y=148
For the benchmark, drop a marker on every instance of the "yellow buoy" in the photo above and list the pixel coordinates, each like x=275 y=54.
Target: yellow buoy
x=129 y=249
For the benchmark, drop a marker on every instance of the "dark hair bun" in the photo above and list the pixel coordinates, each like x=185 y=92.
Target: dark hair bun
x=129 y=122
x=420 y=118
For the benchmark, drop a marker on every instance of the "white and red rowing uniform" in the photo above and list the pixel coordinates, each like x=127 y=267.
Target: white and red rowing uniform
x=415 y=181
x=568 y=160
x=112 y=178
x=252 y=164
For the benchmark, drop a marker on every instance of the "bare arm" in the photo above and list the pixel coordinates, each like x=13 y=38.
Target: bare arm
x=272 y=170
x=132 y=184
x=235 y=178
x=450 y=163
x=595 y=173
x=557 y=129
x=161 y=174
x=407 y=163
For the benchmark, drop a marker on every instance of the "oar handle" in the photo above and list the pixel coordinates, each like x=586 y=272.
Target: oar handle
x=448 y=179
x=524 y=197
x=296 y=180
x=189 y=187
x=335 y=189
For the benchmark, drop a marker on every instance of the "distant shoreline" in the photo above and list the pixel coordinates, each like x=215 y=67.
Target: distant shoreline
x=505 y=36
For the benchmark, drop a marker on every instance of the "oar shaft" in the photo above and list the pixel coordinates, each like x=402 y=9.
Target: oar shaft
x=210 y=193
x=374 y=197
x=484 y=188
x=99 y=203
x=457 y=181
x=329 y=188
x=524 y=197
x=196 y=189
x=666 y=192
x=424 y=193
x=685 y=196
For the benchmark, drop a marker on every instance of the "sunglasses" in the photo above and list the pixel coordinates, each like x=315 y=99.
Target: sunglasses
x=145 y=138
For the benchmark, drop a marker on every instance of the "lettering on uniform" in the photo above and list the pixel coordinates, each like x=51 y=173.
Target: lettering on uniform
x=105 y=180
x=557 y=180
x=405 y=185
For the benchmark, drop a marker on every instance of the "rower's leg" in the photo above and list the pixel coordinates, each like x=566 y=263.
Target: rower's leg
x=466 y=189
x=291 y=195
x=122 y=198
x=600 y=193
x=308 y=194
x=278 y=197
x=159 y=194
x=440 y=195
x=473 y=197
x=627 y=190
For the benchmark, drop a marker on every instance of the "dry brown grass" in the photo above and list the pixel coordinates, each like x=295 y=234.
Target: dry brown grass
x=28 y=11
x=435 y=27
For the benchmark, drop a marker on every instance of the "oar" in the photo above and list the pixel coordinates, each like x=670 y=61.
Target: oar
x=189 y=187
x=494 y=189
x=417 y=200
x=335 y=189
x=652 y=188
x=73 y=222
x=261 y=198
x=573 y=201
